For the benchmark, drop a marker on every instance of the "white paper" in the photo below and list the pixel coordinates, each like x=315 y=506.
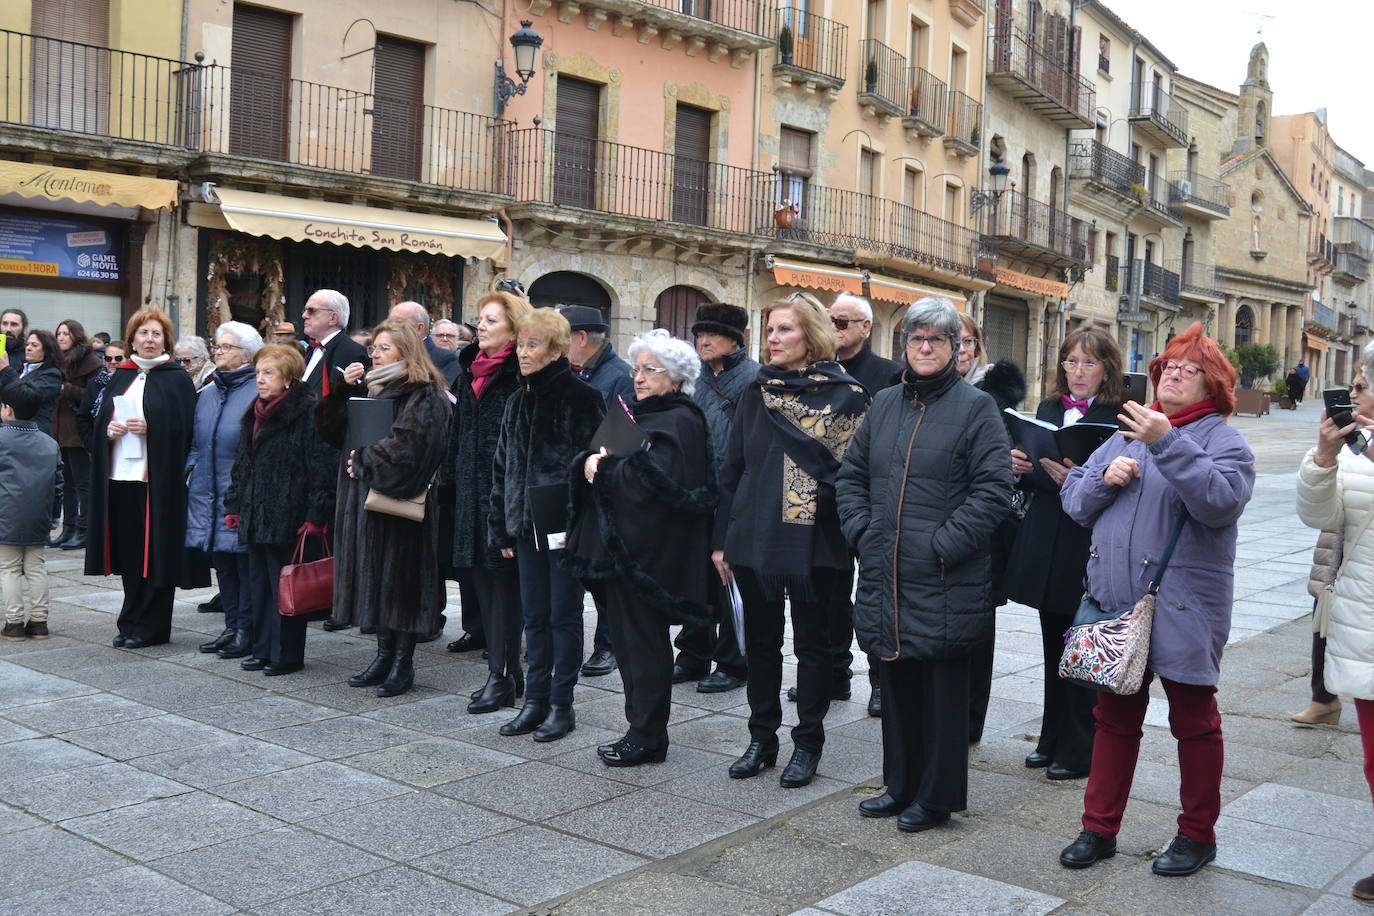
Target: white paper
x=558 y=540
x=737 y=611
x=126 y=409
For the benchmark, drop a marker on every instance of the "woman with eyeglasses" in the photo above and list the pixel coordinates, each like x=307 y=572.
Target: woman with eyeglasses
x=1050 y=554
x=194 y=356
x=41 y=371
x=1175 y=459
x=777 y=535
x=922 y=489
x=972 y=360
x=79 y=366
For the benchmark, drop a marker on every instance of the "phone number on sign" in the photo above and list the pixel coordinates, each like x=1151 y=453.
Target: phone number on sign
x=98 y=274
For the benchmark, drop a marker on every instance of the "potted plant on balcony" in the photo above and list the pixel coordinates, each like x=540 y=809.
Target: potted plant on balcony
x=1138 y=192
x=975 y=135
x=785 y=44
x=871 y=75
x=785 y=215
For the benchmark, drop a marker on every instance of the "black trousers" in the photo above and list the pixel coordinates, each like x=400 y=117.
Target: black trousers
x=276 y=639
x=700 y=644
x=1067 y=728
x=602 y=639
x=640 y=632
x=76 y=487
x=552 y=607
x=812 y=643
x=470 y=601
x=980 y=687
x=497 y=593
x=233 y=573
x=1319 y=692
x=925 y=732
x=147 y=609
x=842 y=638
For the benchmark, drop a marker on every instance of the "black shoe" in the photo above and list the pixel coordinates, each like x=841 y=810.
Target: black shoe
x=1057 y=772
x=61 y=538
x=556 y=724
x=238 y=647
x=118 y=641
x=467 y=643
x=253 y=664
x=499 y=691
x=684 y=673
x=1038 y=761
x=600 y=664
x=720 y=682
x=275 y=670
x=331 y=625
x=842 y=692
x=401 y=677
x=219 y=642
x=916 y=819
x=882 y=806
x=141 y=642
x=757 y=757
x=1183 y=857
x=801 y=769
x=875 y=703
x=625 y=753
x=375 y=673
x=214 y=606
x=1090 y=847
x=76 y=542
x=530 y=717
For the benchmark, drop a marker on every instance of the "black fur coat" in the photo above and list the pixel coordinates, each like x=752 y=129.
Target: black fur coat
x=476 y=428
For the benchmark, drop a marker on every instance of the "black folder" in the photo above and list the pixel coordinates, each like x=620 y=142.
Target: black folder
x=369 y=422
x=618 y=433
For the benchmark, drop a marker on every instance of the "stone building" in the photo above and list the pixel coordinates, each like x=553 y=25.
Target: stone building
x=1352 y=235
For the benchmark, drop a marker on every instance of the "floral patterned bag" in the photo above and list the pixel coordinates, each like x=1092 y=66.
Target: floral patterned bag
x=1109 y=653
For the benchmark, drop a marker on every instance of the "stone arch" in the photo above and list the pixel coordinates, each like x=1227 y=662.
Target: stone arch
x=675 y=309
x=568 y=287
x=1245 y=325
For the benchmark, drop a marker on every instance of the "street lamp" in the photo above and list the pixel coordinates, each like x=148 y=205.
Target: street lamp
x=998 y=172
x=526 y=42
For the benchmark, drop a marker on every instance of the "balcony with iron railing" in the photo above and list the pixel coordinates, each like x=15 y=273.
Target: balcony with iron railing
x=1349 y=266
x=1103 y=166
x=1142 y=279
x=1030 y=230
x=1197 y=282
x=927 y=103
x=1321 y=252
x=1195 y=195
x=737 y=26
x=964 y=129
x=1323 y=316
x=882 y=78
x=1158 y=115
x=1159 y=191
x=1045 y=85
x=818 y=47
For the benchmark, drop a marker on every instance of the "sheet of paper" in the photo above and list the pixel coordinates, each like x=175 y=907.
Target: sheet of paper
x=126 y=409
x=737 y=611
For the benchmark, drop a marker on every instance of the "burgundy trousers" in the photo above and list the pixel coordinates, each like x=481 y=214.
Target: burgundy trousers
x=1196 y=724
x=1365 y=710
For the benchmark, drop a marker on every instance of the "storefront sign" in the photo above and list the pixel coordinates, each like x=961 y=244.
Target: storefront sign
x=1038 y=285
x=53 y=183
x=72 y=248
x=817 y=276
x=906 y=293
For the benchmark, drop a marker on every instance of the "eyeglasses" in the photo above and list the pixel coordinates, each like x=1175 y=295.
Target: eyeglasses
x=311 y=310
x=1359 y=388
x=185 y=360
x=220 y=348
x=112 y=359
x=373 y=350
x=1184 y=371
x=917 y=342
x=650 y=371
x=445 y=336
x=1073 y=365
x=842 y=324
x=968 y=343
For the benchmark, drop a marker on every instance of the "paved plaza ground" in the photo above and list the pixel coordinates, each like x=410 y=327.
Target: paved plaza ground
x=167 y=781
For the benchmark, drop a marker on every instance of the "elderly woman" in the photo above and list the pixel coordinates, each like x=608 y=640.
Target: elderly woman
x=489 y=374
x=1336 y=493
x=548 y=420
x=138 y=482
x=220 y=408
x=623 y=504
x=1175 y=459
x=922 y=489
x=1050 y=554
x=194 y=356
x=80 y=364
x=281 y=489
x=386 y=567
x=777 y=535
x=42 y=371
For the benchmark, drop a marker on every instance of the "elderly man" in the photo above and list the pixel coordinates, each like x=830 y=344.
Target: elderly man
x=324 y=318
x=447 y=336
x=726 y=370
x=853 y=320
x=417 y=316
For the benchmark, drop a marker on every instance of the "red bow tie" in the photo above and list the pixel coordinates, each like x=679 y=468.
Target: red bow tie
x=1072 y=404
x=316 y=345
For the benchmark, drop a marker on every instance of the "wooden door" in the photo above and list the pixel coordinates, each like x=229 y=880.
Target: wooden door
x=576 y=130
x=676 y=310
x=691 y=166
x=398 y=108
x=260 y=83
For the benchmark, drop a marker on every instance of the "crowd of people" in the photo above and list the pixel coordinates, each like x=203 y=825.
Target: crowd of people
x=859 y=496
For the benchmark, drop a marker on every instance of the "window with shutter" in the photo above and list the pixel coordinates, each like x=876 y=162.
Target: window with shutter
x=691 y=165
x=794 y=164
x=260 y=83
x=398 y=108
x=70 y=83
x=576 y=130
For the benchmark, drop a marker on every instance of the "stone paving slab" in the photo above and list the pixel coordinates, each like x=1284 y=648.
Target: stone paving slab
x=134 y=889
x=228 y=760
x=917 y=887
x=164 y=826
x=406 y=827
x=396 y=890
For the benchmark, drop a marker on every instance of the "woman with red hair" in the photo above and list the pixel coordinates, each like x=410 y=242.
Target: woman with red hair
x=1175 y=459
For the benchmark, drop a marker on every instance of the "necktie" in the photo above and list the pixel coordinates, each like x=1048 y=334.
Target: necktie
x=1072 y=404
x=324 y=369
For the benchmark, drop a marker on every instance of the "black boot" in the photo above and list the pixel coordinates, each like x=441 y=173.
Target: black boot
x=376 y=672
x=63 y=537
x=402 y=675
x=530 y=717
x=559 y=722
x=240 y=646
x=219 y=642
x=756 y=757
x=499 y=691
x=801 y=769
x=78 y=539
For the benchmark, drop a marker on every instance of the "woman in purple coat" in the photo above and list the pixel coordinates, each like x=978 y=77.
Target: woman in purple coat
x=1176 y=456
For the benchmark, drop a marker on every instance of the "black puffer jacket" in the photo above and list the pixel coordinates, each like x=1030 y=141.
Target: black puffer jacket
x=476 y=427
x=954 y=492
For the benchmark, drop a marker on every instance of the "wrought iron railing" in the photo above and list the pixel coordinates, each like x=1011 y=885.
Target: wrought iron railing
x=1192 y=188
x=818 y=44
x=965 y=119
x=1152 y=102
x=744 y=15
x=1159 y=191
x=1196 y=278
x=1111 y=280
x=1158 y=283
x=1024 y=219
x=927 y=98
x=1012 y=54
x=1105 y=166
x=882 y=72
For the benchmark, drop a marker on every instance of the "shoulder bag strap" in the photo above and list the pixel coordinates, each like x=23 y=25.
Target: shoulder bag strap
x=1168 y=553
x=1345 y=557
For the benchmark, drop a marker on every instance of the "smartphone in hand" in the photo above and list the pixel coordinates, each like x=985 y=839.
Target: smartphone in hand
x=1135 y=387
x=1341 y=410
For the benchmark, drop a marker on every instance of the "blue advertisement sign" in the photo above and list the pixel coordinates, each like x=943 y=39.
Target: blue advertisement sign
x=42 y=246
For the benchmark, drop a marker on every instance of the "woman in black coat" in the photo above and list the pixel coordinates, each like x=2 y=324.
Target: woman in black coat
x=42 y=371
x=776 y=533
x=924 y=485
x=624 y=508
x=488 y=375
x=386 y=568
x=80 y=364
x=547 y=423
x=138 y=492
x=1050 y=556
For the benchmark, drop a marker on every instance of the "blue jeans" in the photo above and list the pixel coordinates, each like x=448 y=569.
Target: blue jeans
x=552 y=602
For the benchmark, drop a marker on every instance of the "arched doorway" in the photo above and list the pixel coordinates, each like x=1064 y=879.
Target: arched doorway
x=564 y=287
x=1245 y=325
x=676 y=309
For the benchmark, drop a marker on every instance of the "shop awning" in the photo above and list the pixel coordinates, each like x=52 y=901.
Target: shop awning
x=343 y=224
x=1316 y=343
x=29 y=179
x=818 y=276
x=906 y=293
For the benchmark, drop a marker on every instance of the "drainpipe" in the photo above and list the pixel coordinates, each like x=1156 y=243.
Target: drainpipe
x=510 y=239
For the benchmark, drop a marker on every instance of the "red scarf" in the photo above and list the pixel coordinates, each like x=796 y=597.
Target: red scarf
x=1190 y=413
x=262 y=409
x=484 y=367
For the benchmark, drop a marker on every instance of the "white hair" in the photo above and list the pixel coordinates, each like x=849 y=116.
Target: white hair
x=859 y=302
x=936 y=313
x=196 y=345
x=677 y=356
x=445 y=321
x=415 y=313
x=336 y=302
x=249 y=340
x=1367 y=362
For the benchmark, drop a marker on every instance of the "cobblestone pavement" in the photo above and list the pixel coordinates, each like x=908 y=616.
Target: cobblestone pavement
x=167 y=781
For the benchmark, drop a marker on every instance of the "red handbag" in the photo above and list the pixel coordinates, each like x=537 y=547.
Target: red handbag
x=305 y=588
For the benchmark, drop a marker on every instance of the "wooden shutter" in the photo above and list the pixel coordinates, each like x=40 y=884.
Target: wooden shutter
x=398 y=108
x=691 y=165
x=260 y=83
x=576 y=130
x=70 y=83
x=676 y=309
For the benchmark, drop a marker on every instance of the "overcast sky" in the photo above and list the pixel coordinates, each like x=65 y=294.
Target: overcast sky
x=1319 y=53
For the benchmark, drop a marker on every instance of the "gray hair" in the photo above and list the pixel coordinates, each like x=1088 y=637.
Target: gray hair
x=454 y=324
x=595 y=336
x=1367 y=362
x=248 y=340
x=336 y=302
x=677 y=356
x=936 y=313
x=859 y=302
x=196 y=345
x=415 y=313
